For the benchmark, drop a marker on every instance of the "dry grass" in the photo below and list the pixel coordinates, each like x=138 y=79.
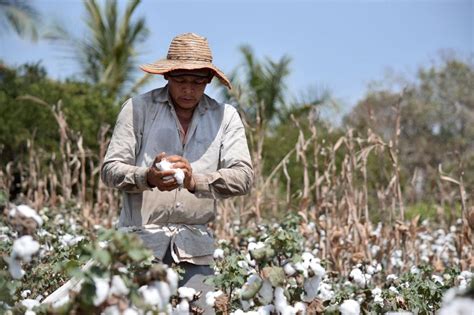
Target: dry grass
x=335 y=197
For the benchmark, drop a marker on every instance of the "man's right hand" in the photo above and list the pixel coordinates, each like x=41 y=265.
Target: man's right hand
x=163 y=180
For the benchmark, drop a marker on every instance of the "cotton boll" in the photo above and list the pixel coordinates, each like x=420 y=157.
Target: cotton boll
x=370 y=270
x=358 y=277
x=172 y=279
x=466 y=274
x=289 y=269
x=349 y=307
x=150 y=295
x=30 y=303
x=307 y=258
x=218 y=253
x=101 y=290
x=463 y=284
x=325 y=292
x=377 y=294
x=182 y=308
x=68 y=240
x=250 y=261
x=394 y=290
x=300 y=307
x=118 y=286
x=186 y=293
x=437 y=279
x=302 y=268
x=164 y=292
x=367 y=278
x=27 y=212
x=378 y=267
x=376 y=291
x=253 y=246
x=25 y=293
x=14 y=267
x=266 y=310
x=311 y=287
x=378 y=299
x=179 y=176
x=165 y=165
x=24 y=248
x=211 y=297
x=281 y=303
x=374 y=249
x=130 y=311
x=317 y=269
x=415 y=270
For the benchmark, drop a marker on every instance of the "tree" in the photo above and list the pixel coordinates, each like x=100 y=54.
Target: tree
x=19 y=16
x=260 y=85
x=21 y=120
x=108 y=53
x=436 y=127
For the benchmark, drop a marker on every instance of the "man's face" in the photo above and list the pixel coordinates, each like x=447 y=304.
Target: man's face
x=186 y=88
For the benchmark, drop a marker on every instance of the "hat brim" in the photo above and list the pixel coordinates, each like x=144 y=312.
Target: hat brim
x=166 y=65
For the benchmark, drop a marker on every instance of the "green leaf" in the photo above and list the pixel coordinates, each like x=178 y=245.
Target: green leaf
x=102 y=256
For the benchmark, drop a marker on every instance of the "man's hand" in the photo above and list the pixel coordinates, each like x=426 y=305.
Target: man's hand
x=182 y=163
x=164 y=180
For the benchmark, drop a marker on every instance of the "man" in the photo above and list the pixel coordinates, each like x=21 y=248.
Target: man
x=202 y=137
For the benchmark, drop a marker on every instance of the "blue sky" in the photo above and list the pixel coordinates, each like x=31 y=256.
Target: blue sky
x=339 y=45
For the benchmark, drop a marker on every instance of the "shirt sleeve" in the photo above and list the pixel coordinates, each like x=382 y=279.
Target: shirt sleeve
x=119 y=168
x=234 y=176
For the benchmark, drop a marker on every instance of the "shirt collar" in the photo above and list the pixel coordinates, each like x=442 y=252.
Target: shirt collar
x=162 y=96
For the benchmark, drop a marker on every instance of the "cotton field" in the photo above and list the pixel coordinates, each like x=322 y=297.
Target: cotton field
x=52 y=265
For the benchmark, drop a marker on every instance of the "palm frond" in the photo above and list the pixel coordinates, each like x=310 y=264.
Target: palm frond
x=20 y=16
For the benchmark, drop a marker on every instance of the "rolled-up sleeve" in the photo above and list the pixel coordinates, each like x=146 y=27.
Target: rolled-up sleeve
x=234 y=176
x=119 y=168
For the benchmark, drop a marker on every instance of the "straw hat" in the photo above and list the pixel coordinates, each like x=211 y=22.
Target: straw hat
x=187 y=52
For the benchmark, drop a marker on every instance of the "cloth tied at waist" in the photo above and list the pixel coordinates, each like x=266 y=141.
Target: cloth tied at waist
x=187 y=243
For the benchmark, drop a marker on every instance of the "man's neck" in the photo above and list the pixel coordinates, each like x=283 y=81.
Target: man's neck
x=184 y=116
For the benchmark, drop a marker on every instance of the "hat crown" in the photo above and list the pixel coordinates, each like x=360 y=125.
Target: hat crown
x=189 y=46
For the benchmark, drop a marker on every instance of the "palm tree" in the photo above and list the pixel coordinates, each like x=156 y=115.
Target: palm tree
x=108 y=52
x=260 y=85
x=19 y=16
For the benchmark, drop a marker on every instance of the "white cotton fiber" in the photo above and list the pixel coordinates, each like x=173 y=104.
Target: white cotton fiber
x=186 y=293
x=27 y=212
x=101 y=290
x=350 y=307
x=165 y=165
x=24 y=248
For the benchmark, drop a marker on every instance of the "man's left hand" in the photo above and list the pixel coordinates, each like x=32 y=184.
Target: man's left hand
x=182 y=163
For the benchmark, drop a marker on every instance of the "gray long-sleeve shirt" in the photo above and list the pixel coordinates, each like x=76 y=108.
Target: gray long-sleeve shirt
x=215 y=145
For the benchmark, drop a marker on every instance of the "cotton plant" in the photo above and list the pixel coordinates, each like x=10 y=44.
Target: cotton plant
x=276 y=276
x=25 y=220
x=121 y=274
